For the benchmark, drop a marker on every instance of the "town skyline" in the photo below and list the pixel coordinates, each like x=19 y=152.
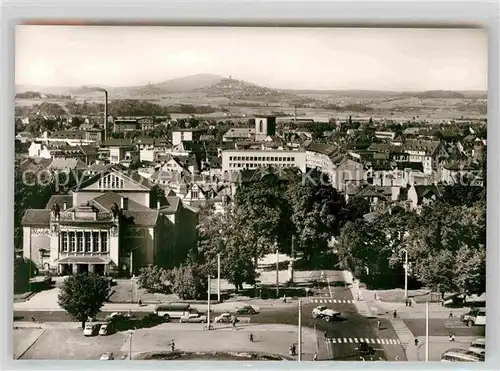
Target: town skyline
x=280 y=58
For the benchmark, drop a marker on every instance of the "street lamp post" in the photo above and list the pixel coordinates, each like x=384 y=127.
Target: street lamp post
x=299 y=358
x=130 y=333
x=406 y=273
x=218 y=278
x=277 y=274
x=208 y=302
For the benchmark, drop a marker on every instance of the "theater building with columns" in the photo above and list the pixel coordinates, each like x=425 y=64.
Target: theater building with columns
x=109 y=226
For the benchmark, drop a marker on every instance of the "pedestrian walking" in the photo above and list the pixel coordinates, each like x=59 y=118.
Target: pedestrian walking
x=139 y=302
x=409 y=302
x=315 y=357
x=416 y=342
x=284 y=298
x=406 y=302
x=326 y=335
x=379 y=324
x=452 y=338
x=450 y=315
x=172 y=345
x=233 y=321
x=357 y=296
x=251 y=337
x=293 y=350
x=395 y=313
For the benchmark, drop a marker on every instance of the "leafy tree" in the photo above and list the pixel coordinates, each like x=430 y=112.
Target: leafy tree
x=157 y=193
x=154 y=279
x=188 y=281
x=82 y=296
x=223 y=234
x=317 y=210
x=135 y=164
x=24 y=270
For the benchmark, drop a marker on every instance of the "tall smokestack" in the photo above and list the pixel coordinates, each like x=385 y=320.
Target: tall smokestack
x=105 y=114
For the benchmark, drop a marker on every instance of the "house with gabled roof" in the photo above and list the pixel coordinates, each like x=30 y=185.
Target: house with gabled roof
x=111 y=224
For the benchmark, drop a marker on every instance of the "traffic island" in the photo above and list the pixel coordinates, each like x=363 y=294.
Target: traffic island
x=210 y=356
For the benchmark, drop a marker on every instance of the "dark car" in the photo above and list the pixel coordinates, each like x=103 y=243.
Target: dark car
x=365 y=349
x=248 y=309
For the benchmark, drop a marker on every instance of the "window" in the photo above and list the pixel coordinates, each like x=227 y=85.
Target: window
x=261 y=126
x=72 y=246
x=121 y=183
x=64 y=240
x=79 y=241
x=104 y=241
x=88 y=246
x=95 y=241
x=194 y=194
x=230 y=158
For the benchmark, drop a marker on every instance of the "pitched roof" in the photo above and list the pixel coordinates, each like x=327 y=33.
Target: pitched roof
x=323 y=148
x=67 y=163
x=116 y=142
x=172 y=205
x=429 y=146
x=60 y=199
x=36 y=217
x=239 y=132
x=146 y=218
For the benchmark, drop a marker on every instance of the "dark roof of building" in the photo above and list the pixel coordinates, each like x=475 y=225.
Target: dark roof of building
x=323 y=148
x=36 y=217
x=146 y=218
x=429 y=146
x=60 y=199
x=117 y=142
x=428 y=190
x=409 y=165
x=171 y=206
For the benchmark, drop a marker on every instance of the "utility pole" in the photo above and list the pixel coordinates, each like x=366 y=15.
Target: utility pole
x=427 y=332
x=218 y=278
x=293 y=260
x=277 y=274
x=208 y=303
x=299 y=358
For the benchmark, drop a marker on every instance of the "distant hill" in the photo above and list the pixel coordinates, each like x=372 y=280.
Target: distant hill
x=219 y=86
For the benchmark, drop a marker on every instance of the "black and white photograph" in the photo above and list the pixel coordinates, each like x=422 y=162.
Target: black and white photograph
x=202 y=193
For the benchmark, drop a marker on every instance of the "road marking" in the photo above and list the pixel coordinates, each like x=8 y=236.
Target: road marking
x=332 y=301
x=383 y=341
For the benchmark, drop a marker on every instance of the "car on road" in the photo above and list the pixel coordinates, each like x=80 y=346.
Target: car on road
x=247 y=309
x=461 y=355
x=90 y=329
x=478 y=346
x=365 y=349
x=105 y=329
x=193 y=318
x=476 y=316
x=325 y=313
x=108 y=356
x=224 y=318
x=173 y=310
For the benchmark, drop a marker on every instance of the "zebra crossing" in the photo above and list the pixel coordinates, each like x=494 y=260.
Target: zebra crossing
x=404 y=333
x=381 y=341
x=331 y=301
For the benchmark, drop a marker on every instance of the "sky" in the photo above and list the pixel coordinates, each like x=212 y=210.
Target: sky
x=288 y=58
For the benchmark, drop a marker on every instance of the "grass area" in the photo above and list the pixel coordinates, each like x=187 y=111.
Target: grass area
x=206 y=356
x=398 y=295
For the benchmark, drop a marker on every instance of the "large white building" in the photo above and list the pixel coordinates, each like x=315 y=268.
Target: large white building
x=234 y=160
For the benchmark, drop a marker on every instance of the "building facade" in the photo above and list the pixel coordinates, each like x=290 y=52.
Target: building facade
x=234 y=160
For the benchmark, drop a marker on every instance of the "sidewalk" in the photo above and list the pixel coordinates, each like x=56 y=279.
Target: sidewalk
x=437 y=346
x=362 y=305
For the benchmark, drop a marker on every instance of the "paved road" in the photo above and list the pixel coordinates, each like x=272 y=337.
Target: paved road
x=443 y=327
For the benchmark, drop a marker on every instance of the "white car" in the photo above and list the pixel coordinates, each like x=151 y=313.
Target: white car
x=475 y=316
x=325 y=313
x=89 y=329
x=108 y=356
x=478 y=346
x=193 y=318
x=223 y=318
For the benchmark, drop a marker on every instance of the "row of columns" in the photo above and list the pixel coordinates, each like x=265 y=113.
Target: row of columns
x=65 y=236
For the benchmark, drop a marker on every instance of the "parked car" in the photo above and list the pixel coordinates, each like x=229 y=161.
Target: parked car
x=247 y=309
x=478 y=346
x=325 y=313
x=105 y=329
x=90 y=329
x=108 y=356
x=193 y=318
x=224 y=318
x=476 y=316
x=461 y=355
